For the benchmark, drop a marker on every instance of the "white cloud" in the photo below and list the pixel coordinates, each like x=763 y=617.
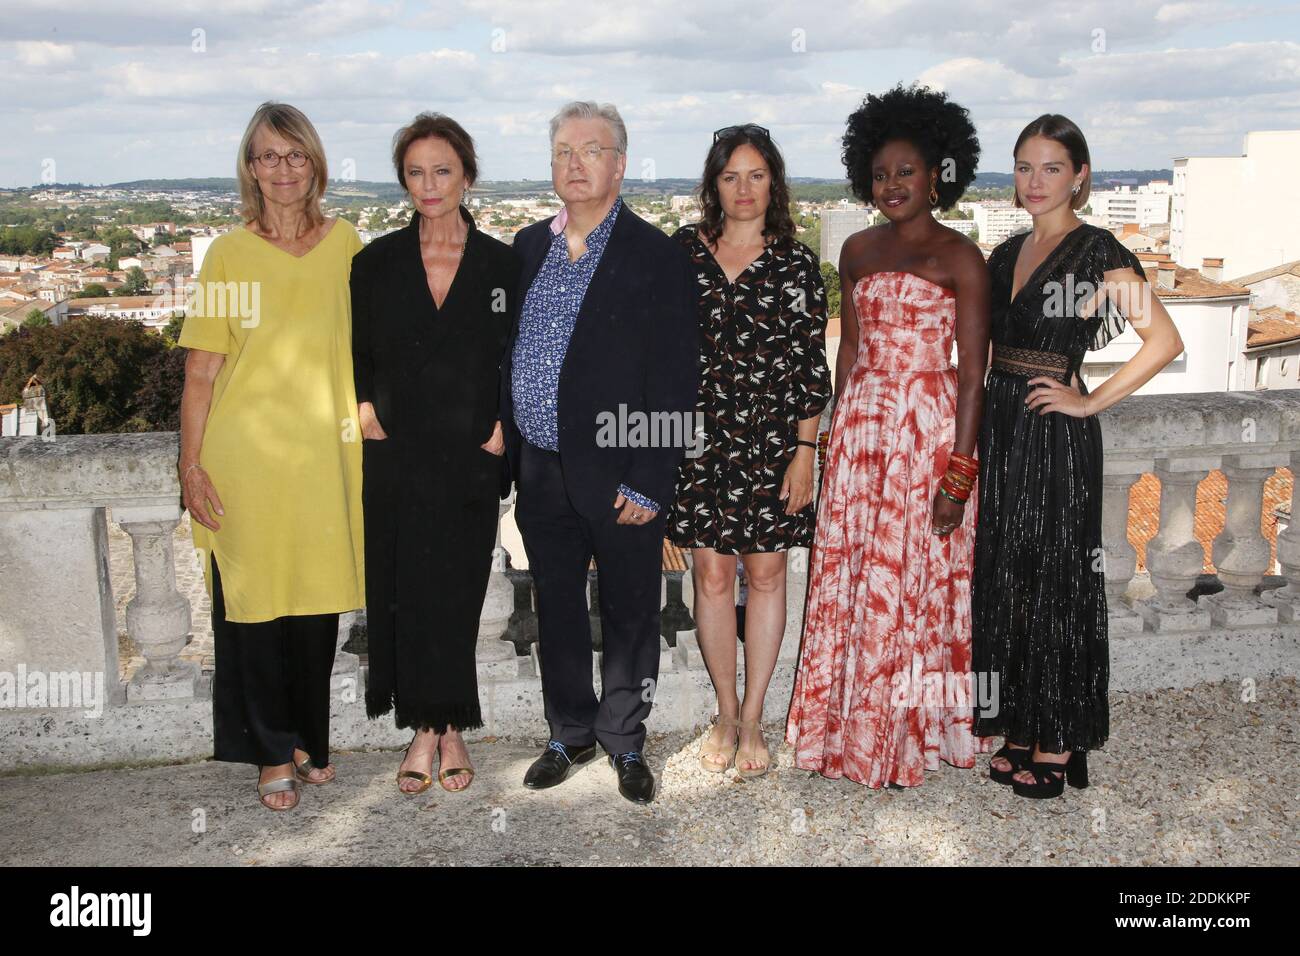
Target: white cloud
x=91 y=88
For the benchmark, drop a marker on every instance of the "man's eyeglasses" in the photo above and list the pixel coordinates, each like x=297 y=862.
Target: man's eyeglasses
x=749 y=129
x=271 y=159
x=590 y=153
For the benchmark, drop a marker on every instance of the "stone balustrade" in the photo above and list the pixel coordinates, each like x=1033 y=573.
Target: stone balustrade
x=57 y=609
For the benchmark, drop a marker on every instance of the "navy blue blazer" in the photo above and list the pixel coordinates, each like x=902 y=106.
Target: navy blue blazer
x=635 y=344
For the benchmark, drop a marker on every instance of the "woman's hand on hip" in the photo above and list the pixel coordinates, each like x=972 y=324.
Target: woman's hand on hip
x=370 y=427
x=497 y=443
x=198 y=494
x=1049 y=395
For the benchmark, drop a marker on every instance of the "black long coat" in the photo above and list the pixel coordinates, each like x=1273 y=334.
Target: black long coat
x=430 y=491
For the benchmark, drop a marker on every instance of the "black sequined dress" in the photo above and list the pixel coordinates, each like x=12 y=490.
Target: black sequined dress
x=1038 y=591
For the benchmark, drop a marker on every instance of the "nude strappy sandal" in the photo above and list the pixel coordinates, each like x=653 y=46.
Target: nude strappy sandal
x=752 y=755
x=709 y=749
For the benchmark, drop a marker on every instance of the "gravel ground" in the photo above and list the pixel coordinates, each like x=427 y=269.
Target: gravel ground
x=1195 y=776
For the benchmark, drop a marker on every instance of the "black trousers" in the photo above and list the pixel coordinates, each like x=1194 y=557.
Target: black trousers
x=629 y=560
x=271 y=687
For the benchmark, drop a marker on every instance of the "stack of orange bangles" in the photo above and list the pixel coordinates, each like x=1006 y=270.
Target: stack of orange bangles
x=959 y=479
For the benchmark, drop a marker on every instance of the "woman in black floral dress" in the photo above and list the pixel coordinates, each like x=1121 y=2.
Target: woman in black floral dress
x=765 y=382
x=1038 y=591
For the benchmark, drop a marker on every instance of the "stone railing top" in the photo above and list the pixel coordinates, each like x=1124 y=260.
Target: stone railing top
x=79 y=471
x=1259 y=428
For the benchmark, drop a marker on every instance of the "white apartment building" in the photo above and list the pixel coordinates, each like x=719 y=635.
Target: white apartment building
x=999 y=220
x=837 y=225
x=1243 y=208
x=1273 y=349
x=155 y=311
x=1211 y=315
x=1146 y=205
x=199 y=248
x=1278 y=286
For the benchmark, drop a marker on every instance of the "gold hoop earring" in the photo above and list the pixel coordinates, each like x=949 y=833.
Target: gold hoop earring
x=934 y=195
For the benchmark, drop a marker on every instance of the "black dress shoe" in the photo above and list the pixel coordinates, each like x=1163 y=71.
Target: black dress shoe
x=635 y=781
x=555 y=763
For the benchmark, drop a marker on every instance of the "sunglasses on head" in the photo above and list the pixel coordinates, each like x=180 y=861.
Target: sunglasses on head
x=749 y=129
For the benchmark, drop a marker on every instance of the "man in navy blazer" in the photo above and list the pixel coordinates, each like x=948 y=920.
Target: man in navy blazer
x=598 y=395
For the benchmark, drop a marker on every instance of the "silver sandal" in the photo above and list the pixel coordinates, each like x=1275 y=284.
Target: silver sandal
x=303 y=772
x=279 y=785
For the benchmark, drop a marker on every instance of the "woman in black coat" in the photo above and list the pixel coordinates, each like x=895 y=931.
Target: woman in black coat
x=431 y=307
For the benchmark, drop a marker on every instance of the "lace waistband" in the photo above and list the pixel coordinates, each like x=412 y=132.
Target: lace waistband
x=1031 y=363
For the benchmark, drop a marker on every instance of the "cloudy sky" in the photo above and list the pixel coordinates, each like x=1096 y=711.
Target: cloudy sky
x=99 y=91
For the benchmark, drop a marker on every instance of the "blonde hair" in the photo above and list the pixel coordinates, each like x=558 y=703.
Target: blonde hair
x=291 y=123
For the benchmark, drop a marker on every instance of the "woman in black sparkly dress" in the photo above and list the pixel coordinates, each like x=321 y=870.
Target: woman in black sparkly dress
x=1039 y=602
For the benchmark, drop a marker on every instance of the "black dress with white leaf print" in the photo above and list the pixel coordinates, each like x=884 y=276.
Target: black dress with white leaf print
x=763 y=365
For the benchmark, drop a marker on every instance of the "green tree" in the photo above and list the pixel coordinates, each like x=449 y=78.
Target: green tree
x=171 y=332
x=36 y=318
x=831 y=277
x=101 y=375
x=137 y=283
x=93 y=290
x=158 y=399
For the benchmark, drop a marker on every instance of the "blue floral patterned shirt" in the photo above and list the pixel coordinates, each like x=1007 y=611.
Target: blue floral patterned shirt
x=545 y=326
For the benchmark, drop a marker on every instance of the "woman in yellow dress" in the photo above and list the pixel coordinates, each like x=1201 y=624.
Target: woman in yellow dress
x=270 y=459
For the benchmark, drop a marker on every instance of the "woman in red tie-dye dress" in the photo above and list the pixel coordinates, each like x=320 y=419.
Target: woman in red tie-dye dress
x=883 y=690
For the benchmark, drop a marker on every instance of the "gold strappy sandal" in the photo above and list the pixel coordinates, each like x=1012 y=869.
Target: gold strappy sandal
x=444 y=774
x=752 y=755
x=426 y=780
x=709 y=749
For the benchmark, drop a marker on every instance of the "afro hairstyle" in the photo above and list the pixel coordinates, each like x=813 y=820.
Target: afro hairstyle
x=940 y=129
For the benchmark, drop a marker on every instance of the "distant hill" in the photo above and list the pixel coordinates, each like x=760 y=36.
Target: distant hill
x=805 y=186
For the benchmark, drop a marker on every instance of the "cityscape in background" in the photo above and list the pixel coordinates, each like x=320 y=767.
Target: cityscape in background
x=1216 y=235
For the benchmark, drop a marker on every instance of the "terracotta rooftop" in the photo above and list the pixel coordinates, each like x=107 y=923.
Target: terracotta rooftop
x=1286 y=268
x=1188 y=283
x=118 y=302
x=1272 y=326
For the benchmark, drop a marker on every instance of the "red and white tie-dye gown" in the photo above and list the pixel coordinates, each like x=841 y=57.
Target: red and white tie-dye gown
x=881 y=690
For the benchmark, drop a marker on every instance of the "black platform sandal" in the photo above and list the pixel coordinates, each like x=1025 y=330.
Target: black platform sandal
x=1050 y=778
x=1018 y=757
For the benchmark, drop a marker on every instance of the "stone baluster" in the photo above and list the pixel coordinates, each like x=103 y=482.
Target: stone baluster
x=796 y=593
x=345 y=678
x=496 y=656
x=1120 y=556
x=522 y=629
x=1241 y=552
x=593 y=610
x=158 y=616
x=1174 y=556
x=1287 y=599
x=674 y=616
